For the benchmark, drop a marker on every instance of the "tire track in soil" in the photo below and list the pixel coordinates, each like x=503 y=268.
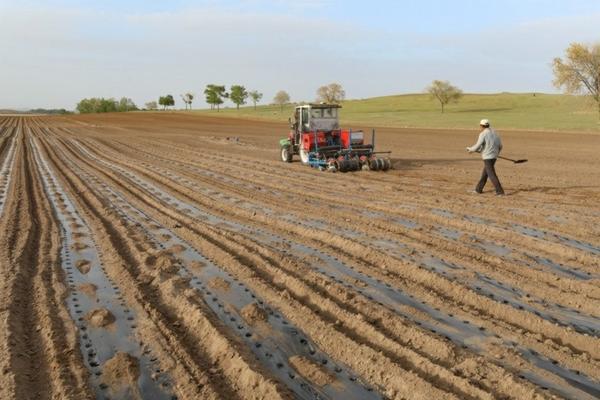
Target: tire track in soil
x=274 y=344
x=7 y=168
x=34 y=335
x=540 y=361
x=81 y=261
x=24 y=258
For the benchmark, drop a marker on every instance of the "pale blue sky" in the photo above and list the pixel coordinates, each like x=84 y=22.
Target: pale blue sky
x=53 y=53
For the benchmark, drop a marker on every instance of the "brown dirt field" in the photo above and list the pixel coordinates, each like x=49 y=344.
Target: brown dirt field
x=148 y=255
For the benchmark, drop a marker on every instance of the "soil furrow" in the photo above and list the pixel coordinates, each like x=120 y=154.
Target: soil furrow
x=127 y=174
x=180 y=245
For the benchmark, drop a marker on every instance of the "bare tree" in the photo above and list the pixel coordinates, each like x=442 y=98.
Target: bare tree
x=444 y=92
x=281 y=98
x=332 y=93
x=188 y=98
x=255 y=95
x=151 y=105
x=580 y=71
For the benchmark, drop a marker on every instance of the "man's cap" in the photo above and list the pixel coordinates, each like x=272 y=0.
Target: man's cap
x=484 y=122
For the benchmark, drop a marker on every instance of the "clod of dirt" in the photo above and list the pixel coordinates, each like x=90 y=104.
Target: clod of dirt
x=196 y=265
x=120 y=371
x=218 y=283
x=100 y=317
x=253 y=314
x=83 y=266
x=177 y=248
x=163 y=262
x=79 y=246
x=311 y=371
x=88 y=289
x=150 y=261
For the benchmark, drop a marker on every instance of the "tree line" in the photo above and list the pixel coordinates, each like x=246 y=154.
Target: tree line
x=577 y=73
x=216 y=95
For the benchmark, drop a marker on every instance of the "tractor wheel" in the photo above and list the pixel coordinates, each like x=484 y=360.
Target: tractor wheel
x=286 y=154
x=303 y=156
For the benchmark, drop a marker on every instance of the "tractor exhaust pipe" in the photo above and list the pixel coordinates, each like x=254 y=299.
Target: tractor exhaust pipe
x=373 y=139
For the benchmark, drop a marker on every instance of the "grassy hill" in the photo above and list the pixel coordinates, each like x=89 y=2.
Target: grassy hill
x=505 y=110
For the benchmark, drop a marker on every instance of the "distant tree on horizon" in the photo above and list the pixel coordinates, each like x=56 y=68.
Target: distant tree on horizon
x=215 y=95
x=238 y=95
x=126 y=104
x=166 y=101
x=444 y=92
x=333 y=93
x=102 y=105
x=187 y=98
x=256 y=96
x=151 y=105
x=281 y=98
x=580 y=71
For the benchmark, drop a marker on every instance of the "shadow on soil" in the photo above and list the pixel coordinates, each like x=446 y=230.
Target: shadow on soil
x=419 y=162
x=484 y=110
x=552 y=189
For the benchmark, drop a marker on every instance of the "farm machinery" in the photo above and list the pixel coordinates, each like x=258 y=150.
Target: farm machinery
x=316 y=137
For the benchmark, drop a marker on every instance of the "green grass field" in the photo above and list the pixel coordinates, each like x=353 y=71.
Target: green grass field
x=505 y=110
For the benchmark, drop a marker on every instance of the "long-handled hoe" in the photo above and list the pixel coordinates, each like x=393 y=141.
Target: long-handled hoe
x=515 y=161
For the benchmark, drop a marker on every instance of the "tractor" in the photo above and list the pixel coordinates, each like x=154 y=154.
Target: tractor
x=316 y=137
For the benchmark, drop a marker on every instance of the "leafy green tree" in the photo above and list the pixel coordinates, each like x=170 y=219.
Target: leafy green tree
x=126 y=104
x=215 y=95
x=579 y=72
x=281 y=98
x=444 y=92
x=333 y=93
x=48 y=111
x=84 y=106
x=255 y=95
x=162 y=102
x=238 y=95
x=166 y=101
x=97 y=105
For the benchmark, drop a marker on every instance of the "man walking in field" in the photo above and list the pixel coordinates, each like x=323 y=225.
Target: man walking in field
x=489 y=145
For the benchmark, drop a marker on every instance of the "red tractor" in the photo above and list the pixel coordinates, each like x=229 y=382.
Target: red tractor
x=317 y=138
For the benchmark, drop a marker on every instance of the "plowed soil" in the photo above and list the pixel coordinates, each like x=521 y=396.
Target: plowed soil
x=174 y=256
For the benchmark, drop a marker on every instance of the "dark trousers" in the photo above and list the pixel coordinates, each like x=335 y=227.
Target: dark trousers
x=489 y=172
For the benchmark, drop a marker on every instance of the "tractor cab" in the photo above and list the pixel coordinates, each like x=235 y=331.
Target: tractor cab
x=316 y=117
x=312 y=124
